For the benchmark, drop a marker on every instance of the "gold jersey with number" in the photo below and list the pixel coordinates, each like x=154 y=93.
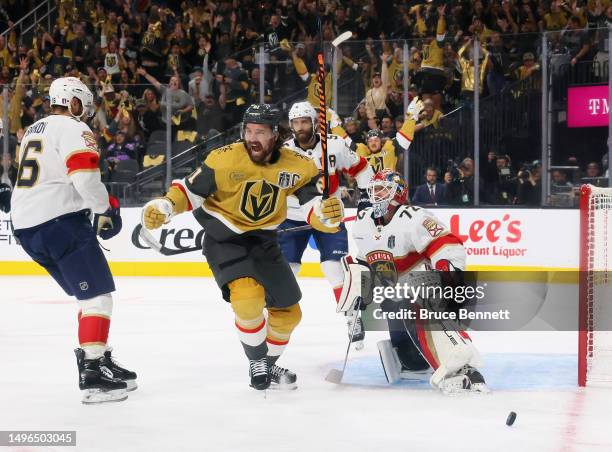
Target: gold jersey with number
x=236 y=195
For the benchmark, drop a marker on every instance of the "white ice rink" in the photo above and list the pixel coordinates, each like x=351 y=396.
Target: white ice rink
x=194 y=395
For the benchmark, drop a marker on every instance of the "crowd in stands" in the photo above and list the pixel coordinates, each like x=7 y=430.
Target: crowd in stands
x=193 y=66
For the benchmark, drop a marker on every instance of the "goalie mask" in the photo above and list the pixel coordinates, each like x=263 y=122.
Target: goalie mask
x=385 y=189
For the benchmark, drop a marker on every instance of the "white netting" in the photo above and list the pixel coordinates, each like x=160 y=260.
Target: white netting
x=599 y=283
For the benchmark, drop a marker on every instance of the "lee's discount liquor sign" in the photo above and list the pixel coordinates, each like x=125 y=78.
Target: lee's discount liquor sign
x=492 y=237
x=588 y=106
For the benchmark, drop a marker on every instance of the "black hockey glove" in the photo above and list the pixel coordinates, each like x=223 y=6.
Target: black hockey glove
x=108 y=224
x=5 y=198
x=364 y=200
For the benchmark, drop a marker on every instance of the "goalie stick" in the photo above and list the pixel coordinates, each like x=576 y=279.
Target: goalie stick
x=336 y=375
x=148 y=238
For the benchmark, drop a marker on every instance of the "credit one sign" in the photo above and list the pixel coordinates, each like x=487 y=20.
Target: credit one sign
x=588 y=106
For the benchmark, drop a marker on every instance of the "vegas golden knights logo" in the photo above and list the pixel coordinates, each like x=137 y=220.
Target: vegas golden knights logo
x=259 y=200
x=377 y=164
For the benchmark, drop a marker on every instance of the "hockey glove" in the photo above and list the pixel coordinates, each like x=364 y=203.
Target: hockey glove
x=414 y=109
x=364 y=200
x=156 y=213
x=108 y=224
x=326 y=215
x=5 y=198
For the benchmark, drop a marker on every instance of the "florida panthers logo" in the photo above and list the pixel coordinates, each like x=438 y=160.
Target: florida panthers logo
x=259 y=200
x=383 y=268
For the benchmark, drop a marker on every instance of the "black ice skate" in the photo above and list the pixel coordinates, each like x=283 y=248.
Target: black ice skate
x=260 y=375
x=352 y=318
x=119 y=372
x=282 y=378
x=97 y=382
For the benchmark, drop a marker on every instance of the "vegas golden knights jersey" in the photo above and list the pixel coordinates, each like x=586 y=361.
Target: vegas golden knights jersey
x=233 y=195
x=387 y=157
x=433 y=52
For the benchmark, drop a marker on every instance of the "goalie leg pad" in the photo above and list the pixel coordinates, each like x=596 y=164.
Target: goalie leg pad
x=446 y=349
x=390 y=361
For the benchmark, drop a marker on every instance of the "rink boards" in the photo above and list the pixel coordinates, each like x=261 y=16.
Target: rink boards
x=495 y=239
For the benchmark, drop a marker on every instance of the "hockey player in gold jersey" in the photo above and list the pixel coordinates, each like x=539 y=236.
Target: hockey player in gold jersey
x=384 y=155
x=239 y=196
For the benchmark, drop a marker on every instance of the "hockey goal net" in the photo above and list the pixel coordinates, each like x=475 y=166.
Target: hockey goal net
x=595 y=307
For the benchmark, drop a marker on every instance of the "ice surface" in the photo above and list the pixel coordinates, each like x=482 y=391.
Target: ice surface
x=194 y=395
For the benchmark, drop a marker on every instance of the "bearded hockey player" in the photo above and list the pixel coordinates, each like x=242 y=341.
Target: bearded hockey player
x=58 y=188
x=341 y=160
x=239 y=196
x=395 y=242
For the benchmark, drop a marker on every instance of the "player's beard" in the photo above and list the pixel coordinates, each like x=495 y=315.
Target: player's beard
x=305 y=137
x=257 y=151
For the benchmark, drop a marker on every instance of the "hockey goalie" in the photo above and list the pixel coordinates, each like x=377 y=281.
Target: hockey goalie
x=399 y=244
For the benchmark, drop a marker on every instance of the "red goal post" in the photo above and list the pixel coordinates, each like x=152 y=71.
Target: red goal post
x=595 y=296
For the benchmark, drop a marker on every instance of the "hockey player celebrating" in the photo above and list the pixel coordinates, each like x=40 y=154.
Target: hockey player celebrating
x=239 y=195
x=58 y=187
x=382 y=154
x=393 y=241
x=303 y=122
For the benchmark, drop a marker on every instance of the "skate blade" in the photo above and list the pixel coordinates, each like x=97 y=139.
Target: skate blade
x=335 y=376
x=131 y=385
x=95 y=396
x=283 y=386
x=358 y=345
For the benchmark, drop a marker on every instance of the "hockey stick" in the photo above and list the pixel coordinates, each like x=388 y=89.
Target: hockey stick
x=146 y=236
x=305 y=227
x=322 y=107
x=152 y=242
x=323 y=125
x=343 y=37
x=335 y=375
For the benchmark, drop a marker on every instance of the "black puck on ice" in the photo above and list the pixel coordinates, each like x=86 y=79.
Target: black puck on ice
x=511 y=418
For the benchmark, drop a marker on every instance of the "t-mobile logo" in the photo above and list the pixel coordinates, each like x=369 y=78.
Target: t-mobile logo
x=599 y=106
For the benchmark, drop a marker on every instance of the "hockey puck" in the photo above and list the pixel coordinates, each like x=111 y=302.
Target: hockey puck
x=511 y=418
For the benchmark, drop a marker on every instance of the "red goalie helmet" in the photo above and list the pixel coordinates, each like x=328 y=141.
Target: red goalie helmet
x=386 y=188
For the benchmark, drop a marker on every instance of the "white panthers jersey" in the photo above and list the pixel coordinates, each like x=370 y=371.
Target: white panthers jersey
x=340 y=159
x=58 y=172
x=414 y=237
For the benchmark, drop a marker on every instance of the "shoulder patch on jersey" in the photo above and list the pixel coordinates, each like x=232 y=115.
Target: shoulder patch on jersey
x=90 y=140
x=432 y=226
x=295 y=153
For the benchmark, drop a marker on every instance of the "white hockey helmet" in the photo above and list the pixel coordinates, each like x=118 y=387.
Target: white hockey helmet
x=303 y=110
x=64 y=89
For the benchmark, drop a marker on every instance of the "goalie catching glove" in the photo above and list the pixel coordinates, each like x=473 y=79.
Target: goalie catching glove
x=108 y=224
x=326 y=215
